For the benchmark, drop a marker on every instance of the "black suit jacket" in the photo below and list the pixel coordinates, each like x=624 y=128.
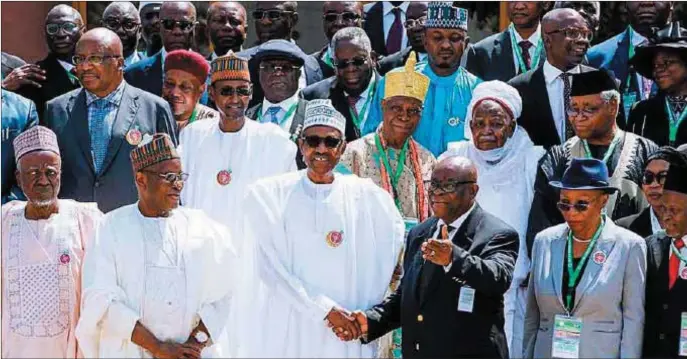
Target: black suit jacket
x=374 y=27
x=663 y=306
x=9 y=63
x=146 y=74
x=639 y=223
x=114 y=186
x=649 y=119
x=295 y=129
x=492 y=58
x=57 y=83
x=327 y=71
x=484 y=254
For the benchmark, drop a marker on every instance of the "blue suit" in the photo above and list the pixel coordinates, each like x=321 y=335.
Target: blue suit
x=18 y=114
x=146 y=74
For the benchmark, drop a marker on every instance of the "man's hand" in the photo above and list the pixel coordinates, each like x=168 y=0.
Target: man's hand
x=343 y=324
x=169 y=350
x=438 y=251
x=28 y=74
x=361 y=319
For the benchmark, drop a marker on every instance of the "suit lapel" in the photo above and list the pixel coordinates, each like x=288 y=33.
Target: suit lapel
x=604 y=245
x=620 y=59
x=78 y=116
x=154 y=74
x=547 y=122
x=503 y=50
x=661 y=256
x=557 y=257
x=297 y=122
x=126 y=114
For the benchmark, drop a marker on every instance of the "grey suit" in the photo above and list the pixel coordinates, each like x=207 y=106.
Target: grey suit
x=113 y=187
x=609 y=298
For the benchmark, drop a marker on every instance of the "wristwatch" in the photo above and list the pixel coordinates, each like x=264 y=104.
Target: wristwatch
x=201 y=337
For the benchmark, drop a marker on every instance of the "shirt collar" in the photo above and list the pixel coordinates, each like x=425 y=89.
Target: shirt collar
x=460 y=220
x=637 y=38
x=387 y=7
x=285 y=105
x=114 y=97
x=66 y=65
x=533 y=39
x=655 y=224
x=551 y=73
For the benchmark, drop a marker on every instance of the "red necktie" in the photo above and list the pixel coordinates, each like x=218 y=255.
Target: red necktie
x=674 y=264
x=393 y=41
x=352 y=101
x=525 y=49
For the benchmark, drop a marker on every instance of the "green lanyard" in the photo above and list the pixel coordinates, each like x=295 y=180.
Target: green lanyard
x=574 y=273
x=399 y=165
x=358 y=117
x=328 y=58
x=630 y=55
x=286 y=116
x=674 y=123
x=677 y=252
x=518 y=51
x=73 y=78
x=193 y=115
x=609 y=151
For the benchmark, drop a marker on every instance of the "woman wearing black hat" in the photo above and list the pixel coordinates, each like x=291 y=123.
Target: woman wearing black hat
x=586 y=291
x=661 y=118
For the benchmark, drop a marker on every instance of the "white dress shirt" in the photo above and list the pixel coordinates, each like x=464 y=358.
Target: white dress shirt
x=455 y=225
x=66 y=65
x=284 y=106
x=533 y=39
x=655 y=224
x=389 y=20
x=554 y=88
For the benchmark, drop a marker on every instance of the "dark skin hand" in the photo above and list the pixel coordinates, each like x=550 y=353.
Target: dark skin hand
x=343 y=324
x=438 y=251
x=28 y=74
x=142 y=337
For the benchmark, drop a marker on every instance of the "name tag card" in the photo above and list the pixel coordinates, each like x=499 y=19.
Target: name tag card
x=566 y=337
x=682 y=349
x=466 y=299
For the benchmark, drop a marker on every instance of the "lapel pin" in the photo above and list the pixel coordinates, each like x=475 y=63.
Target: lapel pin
x=599 y=257
x=133 y=137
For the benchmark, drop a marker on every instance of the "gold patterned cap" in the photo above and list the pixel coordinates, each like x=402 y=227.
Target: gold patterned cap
x=229 y=67
x=153 y=149
x=406 y=81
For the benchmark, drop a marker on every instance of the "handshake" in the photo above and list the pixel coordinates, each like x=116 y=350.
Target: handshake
x=347 y=326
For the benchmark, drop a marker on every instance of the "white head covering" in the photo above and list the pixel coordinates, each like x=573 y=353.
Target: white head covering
x=36 y=138
x=143 y=4
x=322 y=113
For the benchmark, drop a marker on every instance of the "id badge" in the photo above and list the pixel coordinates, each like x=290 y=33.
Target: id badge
x=566 y=337
x=682 y=349
x=410 y=223
x=466 y=299
x=629 y=100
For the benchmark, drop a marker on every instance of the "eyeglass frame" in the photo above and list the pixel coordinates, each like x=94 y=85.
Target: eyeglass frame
x=280 y=68
x=281 y=14
x=340 y=16
x=166 y=176
x=77 y=62
x=120 y=24
x=659 y=177
x=322 y=140
x=342 y=65
x=565 y=31
x=177 y=23
x=60 y=26
x=412 y=23
x=432 y=186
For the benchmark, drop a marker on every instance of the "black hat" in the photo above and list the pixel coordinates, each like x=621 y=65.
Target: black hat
x=676 y=180
x=671 y=38
x=585 y=174
x=670 y=155
x=280 y=49
x=592 y=82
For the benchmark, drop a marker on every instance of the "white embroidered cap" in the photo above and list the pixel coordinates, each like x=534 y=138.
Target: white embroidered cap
x=322 y=113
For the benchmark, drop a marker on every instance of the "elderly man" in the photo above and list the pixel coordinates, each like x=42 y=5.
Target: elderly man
x=149 y=12
x=159 y=279
x=227 y=27
x=178 y=19
x=457 y=265
x=43 y=243
x=590 y=11
x=353 y=89
x=98 y=125
x=54 y=75
x=415 y=31
x=124 y=20
x=323 y=243
x=18 y=115
x=184 y=85
x=594 y=106
x=227 y=153
x=336 y=15
x=450 y=86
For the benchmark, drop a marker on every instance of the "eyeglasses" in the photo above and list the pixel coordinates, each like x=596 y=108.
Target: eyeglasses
x=580 y=206
x=271 y=14
x=587 y=111
x=286 y=68
x=231 y=91
x=664 y=64
x=127 y=25
x=68 y=27
x=356 y=61
x=184 y=87
x=329 y=141
x=170 y=177
x=400 y=111
x=343 y=17
x=92 y=59
x=221 y=20
x=574 y=33
x=439 y=188
x=411 y=23
x=649 y=177
x=185 y=26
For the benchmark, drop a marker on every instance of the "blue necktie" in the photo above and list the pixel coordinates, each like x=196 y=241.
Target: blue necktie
x=273 y=111
x=99 y=136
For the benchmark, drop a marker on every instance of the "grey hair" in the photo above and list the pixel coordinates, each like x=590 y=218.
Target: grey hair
x=610 y=95
x=353 y=34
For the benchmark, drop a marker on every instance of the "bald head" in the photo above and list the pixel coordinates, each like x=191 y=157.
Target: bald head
x=554 y=19
x=100 y=62
x=456 y=168
x=63 y=28
x=170 y=8
x=64 y=11
x=183 y=16
x=104 y=38
x=123 y=18
x=453 y=188
x=124 y=7
x=566 y=37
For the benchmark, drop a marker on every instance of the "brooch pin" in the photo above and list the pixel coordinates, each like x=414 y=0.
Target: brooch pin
x=599 y=257
x=334 y=238
x=65 y=258
x=133 y=137
x=224 y=177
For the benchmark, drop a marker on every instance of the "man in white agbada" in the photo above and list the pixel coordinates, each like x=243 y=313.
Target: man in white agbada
x=323 y=244
x=506 y=160
x=159 y=278
x=43 y=242
x=225 y=155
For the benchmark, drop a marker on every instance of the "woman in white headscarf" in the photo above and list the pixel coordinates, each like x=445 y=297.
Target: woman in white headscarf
x=506 y=161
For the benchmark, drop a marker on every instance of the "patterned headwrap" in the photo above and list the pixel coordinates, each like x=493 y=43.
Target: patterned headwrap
x=229 y=67
x=406 y=81
x=322 y=113
x=443 y=15
x=153 y=149
x=36 y=138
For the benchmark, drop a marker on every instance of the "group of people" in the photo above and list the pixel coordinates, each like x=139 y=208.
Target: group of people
x=400 y=193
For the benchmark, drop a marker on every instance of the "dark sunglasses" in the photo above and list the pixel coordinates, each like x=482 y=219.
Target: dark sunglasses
x=170 y=177
x=185 y=26
x=271 y=14
x=357 y=62
x=286 y=68
x=329 y=141
x=114 y=24
x=345 y=17
x=151 y=15
x=68 y=27
x=649 y=177
x=411 y=23
x=580 y=206
x=230 y=91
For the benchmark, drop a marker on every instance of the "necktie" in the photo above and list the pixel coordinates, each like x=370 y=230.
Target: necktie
x=273 y=111
x=352 y=101
x=525 y=49
x=393 y=41
x=674 y=264
x=99 y=135
x=566 y=101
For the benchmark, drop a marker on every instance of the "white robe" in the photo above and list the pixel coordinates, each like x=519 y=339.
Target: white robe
x=302 y=276
x=256 y=151
x=127 y=280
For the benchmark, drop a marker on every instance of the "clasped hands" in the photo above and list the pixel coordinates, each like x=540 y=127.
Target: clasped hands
x=345 y=325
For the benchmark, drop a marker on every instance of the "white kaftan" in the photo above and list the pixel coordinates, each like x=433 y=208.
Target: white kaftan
x=167 y=273
x=315 y=247
x=41 y=278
